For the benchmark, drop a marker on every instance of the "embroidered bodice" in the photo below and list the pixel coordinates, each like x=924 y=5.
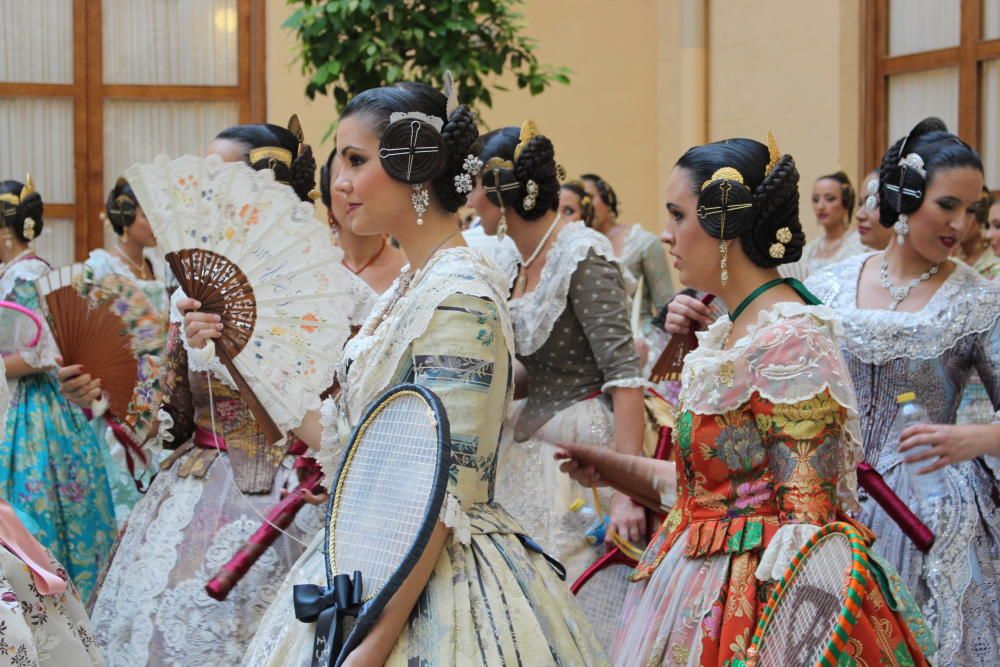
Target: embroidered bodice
x=767 y=436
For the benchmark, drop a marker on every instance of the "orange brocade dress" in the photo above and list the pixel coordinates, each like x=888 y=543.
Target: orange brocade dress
x=765 y=447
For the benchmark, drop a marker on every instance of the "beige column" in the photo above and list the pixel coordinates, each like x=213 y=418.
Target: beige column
x=692 y=98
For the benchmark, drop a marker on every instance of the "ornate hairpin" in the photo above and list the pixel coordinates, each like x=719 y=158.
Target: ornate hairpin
x=276 y=153
x=470 y=168
x=784 y=236
x=433 y=121
x=528 y=132
x=915 y=162
x=531 y=198
x=773 y=154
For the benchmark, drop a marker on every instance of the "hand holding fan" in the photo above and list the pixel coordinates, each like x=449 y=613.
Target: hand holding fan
x=252 y=252
x=670 y=362
x=384 y=504
x=110 y=328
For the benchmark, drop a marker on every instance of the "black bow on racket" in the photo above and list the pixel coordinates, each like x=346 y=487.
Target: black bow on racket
x=327 y=607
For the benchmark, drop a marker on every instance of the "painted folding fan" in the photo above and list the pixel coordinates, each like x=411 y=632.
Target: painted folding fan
x=251 y=251
x=110 y=328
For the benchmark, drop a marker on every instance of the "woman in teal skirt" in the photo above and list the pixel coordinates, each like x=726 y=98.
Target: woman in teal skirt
x=52 y=468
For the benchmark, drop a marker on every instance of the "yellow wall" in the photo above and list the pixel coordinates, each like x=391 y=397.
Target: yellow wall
x=637 y=100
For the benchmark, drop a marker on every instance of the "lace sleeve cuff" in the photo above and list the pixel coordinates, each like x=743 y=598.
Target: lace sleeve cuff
x=164 y=432
x=627 y=383
x=455 y=518
x=331 y=447
x=782 y=549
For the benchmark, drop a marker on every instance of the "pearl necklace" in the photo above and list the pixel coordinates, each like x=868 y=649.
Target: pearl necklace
x=898 y=294
x=522 y=277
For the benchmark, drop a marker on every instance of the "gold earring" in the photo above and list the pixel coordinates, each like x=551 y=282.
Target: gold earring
x=724 y=251
x=502 y=227
x=125 y=235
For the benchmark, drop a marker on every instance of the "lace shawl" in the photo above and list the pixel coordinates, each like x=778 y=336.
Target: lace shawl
x=536 y=312
x=790 y=355
x=966 y=303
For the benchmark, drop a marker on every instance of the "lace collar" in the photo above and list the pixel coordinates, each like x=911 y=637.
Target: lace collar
x=966 y=303
x=789 y=357
x=638 y=240
x=536 y=312
x=29 y=268
x=119 y=267
x=370 y=360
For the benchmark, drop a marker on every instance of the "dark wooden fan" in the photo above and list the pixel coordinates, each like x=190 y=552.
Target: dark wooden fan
x=670 y=362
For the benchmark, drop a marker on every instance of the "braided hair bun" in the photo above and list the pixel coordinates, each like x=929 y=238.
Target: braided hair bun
x=460 y=135
x=529 y=181
x=16 y=215
x=121 y=206
x=759 y=193
x=292 y=163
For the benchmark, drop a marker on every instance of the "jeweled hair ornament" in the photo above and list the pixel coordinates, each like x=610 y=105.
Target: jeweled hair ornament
x=529 y=130
x=773 y=154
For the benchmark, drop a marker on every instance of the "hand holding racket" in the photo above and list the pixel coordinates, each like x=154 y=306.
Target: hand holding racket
x=385 y=502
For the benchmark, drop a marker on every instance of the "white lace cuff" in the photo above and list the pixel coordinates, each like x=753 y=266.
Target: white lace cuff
x=455 y=518
x=331 y=447
x=782 y=549
x=627 y=383
x=163 y=433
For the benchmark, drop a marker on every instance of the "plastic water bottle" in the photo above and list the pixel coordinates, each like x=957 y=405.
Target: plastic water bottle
x=910 y=412
x=585 y=521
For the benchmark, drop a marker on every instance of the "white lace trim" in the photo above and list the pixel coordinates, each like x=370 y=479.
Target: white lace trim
x=44 y=354
x=166 y=425
x=455 y=518
x=790 y=355
x=370 y=360
x=965 y=304
x=784 y=545
x=331 y=447
x=636 y=242
x=627 y=383
x=536 y=312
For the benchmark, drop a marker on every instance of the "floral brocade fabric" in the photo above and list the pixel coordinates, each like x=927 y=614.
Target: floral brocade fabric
x=756 y=477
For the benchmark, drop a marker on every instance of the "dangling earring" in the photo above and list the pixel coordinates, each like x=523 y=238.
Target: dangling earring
x=8 y=239
x=902 y=228
x=125 y=235
x=502 y=227
x=421 y=200
x=724 y=251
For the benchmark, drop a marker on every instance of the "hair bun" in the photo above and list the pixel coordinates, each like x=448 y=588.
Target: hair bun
x=303 y=173
x=537 y=163
x=460 y=135
x=778 y=224
x=726 y=207
x=413 y=151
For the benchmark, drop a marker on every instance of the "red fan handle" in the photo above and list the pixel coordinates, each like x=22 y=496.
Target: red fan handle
x=281 y=516
x=910 y=523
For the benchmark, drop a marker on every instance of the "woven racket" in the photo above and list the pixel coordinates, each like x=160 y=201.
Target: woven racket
x=817 y=602
x=110 y=328
x=385 y=501
x=252 y=252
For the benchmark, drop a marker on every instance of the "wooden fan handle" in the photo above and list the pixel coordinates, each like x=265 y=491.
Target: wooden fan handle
x=272 y=433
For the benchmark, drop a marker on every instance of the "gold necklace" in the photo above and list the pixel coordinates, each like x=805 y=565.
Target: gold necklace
x=139 y=271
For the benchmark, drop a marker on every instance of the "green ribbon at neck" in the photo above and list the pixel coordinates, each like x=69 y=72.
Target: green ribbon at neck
x=796 y=285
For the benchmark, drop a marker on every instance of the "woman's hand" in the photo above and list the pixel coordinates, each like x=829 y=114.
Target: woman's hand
x=627 y=519
x=199 y=328
x=77 y=386
x=585 y=475
x=949 y=443
x=686 y=313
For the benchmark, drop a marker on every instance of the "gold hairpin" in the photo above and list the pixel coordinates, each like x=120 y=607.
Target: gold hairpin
x=773 y=154
x=282 y=155
x=727 y=173
x=528 y=131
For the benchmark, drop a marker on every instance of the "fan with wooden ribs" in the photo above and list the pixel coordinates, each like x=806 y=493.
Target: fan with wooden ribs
x=249 y=250
x=110 y=328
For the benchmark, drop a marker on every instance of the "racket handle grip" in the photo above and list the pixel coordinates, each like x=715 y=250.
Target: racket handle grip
x=909 y=523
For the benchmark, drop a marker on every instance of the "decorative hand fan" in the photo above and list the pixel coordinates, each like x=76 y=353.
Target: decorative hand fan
x=251 y=251
x=668 y=365
x=386 y=499
x=811 y=612
x=111 y=329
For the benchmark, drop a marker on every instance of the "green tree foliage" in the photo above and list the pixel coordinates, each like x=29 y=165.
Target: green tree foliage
x=353 y=45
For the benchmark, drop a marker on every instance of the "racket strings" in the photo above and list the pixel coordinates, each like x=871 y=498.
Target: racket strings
x=384 y=491
x=803 y=623
x=602 y=599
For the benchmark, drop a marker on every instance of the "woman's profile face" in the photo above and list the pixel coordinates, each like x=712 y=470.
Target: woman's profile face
x=828 y=202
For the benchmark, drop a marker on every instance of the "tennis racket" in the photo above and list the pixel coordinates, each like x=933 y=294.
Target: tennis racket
x=15 y=313
x=385 y=501
x=816 y=603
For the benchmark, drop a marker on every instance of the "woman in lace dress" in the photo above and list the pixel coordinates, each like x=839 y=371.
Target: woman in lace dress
x=213 y=489
x=833 y=201
x=571 y=327
x=134 y=259
x=766 y=442
x=53 y=469
x=916 y=321
x=444 y=325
